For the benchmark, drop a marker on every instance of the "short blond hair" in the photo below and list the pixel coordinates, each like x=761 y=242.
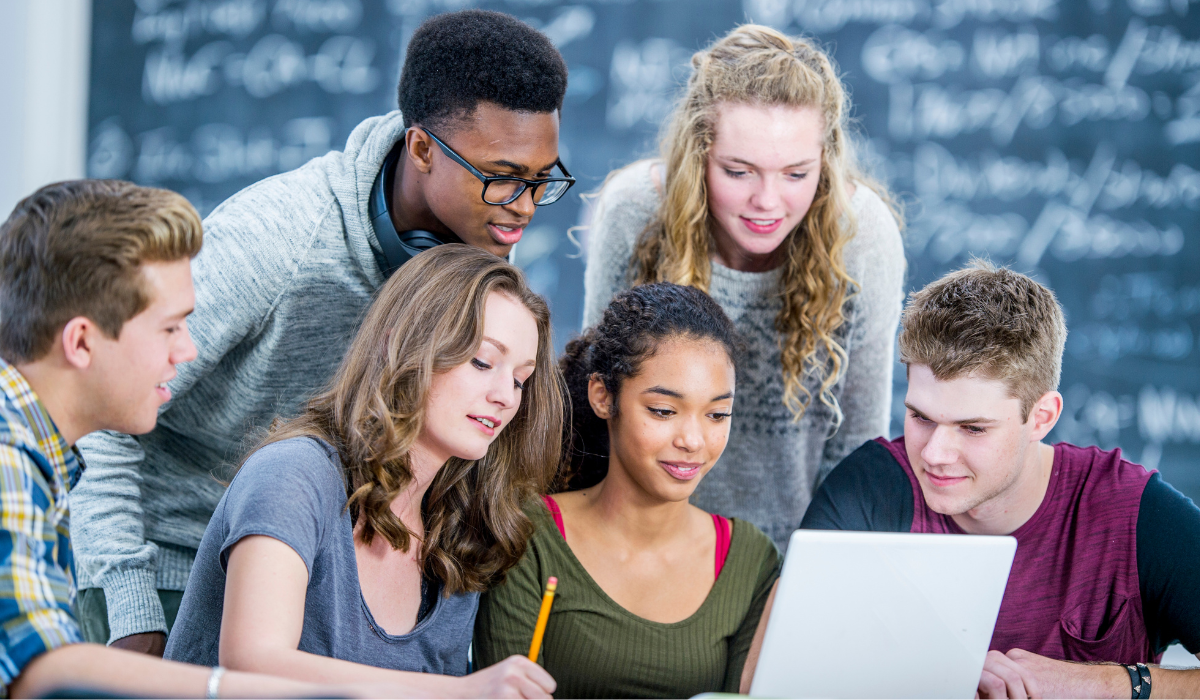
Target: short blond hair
x=987 y=321
x=75 y=249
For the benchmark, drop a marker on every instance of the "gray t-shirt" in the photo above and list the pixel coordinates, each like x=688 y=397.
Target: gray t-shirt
x=293 y=491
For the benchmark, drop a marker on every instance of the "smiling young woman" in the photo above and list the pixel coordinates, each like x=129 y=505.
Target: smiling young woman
x=758 y=200
x=655 y=598
x=355 y=540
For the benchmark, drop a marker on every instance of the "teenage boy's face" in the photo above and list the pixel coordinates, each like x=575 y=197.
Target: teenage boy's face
x=497 y=141
x=966 y=439
x=129 y=375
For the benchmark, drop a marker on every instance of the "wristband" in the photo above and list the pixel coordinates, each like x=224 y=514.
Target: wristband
x=1139 y=679
x=214 y=683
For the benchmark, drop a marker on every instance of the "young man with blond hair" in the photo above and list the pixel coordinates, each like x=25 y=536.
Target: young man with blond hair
x=95 y=290
x=1107 y=570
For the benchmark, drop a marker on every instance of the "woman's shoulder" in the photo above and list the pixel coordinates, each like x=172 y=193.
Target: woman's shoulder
x=877 y=236
x=296 y=463
x=875 y=216
x=538 y=512
x=746 y=537
x=633 y=182
x=629 y=194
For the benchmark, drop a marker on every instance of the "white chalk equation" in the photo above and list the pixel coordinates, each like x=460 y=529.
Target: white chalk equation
x=939 y=85
x=342 y=65
x=176 y=21
x=832 y=15
x=936 y=174
x=213 y=153
x=1156 y=416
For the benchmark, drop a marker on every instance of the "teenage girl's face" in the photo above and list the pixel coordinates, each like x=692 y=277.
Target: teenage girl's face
x=673 y=417
x=469 y=405
x=763 y=169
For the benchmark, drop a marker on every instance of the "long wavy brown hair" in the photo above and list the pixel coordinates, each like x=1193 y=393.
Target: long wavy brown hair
x=757 y=65
x=428 y=319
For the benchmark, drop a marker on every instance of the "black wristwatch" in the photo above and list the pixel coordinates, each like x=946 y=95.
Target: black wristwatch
x=1139 y=678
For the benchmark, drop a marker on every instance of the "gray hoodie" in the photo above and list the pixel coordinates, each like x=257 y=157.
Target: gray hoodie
x=287 y=270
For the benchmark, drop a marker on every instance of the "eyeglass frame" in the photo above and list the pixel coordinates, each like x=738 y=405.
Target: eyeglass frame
x=489 y=179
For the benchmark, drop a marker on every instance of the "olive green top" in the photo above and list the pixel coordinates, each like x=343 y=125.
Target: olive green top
x=595 y=648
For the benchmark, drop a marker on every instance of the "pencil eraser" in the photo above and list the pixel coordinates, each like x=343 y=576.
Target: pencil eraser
x=553 y=581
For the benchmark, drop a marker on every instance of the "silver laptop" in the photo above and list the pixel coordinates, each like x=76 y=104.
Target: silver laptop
x=883 y=615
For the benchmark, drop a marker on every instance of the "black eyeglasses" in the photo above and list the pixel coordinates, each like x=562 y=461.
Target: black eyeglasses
x=505 y=189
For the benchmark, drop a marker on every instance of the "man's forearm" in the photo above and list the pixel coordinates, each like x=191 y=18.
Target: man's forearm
x=94 y=668
x=1039 y=676
x=1174 y=683
x=303 y=666
x=1113 y=681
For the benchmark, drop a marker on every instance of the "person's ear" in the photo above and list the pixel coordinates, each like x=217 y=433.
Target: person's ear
x=1046 y=412
x=418 y=148
x=599 y=398
x=78 y=341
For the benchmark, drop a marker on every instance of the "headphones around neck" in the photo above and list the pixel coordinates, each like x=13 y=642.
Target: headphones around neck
x=398 y=247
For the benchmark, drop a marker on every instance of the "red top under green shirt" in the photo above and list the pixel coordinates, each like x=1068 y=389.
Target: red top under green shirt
x=595 y=648
x=720 y=523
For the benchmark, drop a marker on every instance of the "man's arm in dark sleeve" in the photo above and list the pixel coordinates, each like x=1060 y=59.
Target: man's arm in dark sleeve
x=1168 y=555
x=867 y=491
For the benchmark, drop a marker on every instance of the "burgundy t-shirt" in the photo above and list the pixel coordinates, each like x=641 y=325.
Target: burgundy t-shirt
x=1073 y=591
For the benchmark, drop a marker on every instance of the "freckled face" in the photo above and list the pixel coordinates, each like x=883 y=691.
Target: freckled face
x=762 y=173
x=470 y=404
x=965 y=439
x=673 y=418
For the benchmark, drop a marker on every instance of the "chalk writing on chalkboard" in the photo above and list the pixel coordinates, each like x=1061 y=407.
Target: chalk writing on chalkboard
x=1059 y=136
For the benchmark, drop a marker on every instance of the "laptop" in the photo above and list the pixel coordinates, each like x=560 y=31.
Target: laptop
x=882 y=615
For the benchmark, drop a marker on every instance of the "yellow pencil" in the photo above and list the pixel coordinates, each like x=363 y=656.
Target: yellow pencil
x=543 y=616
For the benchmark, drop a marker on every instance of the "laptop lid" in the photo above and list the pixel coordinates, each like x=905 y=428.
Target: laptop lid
x=883 y=615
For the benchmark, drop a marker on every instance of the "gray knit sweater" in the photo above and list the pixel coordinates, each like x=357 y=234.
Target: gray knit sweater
x=772 y=463
x=286 y=272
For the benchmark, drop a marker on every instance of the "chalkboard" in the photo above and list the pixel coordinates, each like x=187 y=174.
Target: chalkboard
x=1057 y=136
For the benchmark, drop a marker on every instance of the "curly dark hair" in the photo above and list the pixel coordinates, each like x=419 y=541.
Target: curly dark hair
x=458 y=59
x=636 y=322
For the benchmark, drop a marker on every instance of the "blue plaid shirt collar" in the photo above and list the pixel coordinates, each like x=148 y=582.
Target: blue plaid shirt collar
x=64 y=465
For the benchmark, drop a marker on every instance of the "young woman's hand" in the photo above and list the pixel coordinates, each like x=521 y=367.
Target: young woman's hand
x=514 y=677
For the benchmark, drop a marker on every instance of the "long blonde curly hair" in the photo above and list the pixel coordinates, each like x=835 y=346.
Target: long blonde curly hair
x=757 y=65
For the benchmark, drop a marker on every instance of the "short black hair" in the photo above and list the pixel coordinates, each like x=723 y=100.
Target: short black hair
x=458 y=59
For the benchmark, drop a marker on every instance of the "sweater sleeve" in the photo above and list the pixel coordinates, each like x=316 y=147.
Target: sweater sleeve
x=623 y=209
x=236 y=286
x=875 y=259
x=768 y=572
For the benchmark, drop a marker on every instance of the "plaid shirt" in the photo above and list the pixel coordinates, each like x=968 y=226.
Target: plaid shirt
x=37 y=586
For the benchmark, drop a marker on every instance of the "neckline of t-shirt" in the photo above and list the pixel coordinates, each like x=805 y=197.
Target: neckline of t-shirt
x=377 y=628
x=332 y=456
x=548 y=526
x=1051 y=488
